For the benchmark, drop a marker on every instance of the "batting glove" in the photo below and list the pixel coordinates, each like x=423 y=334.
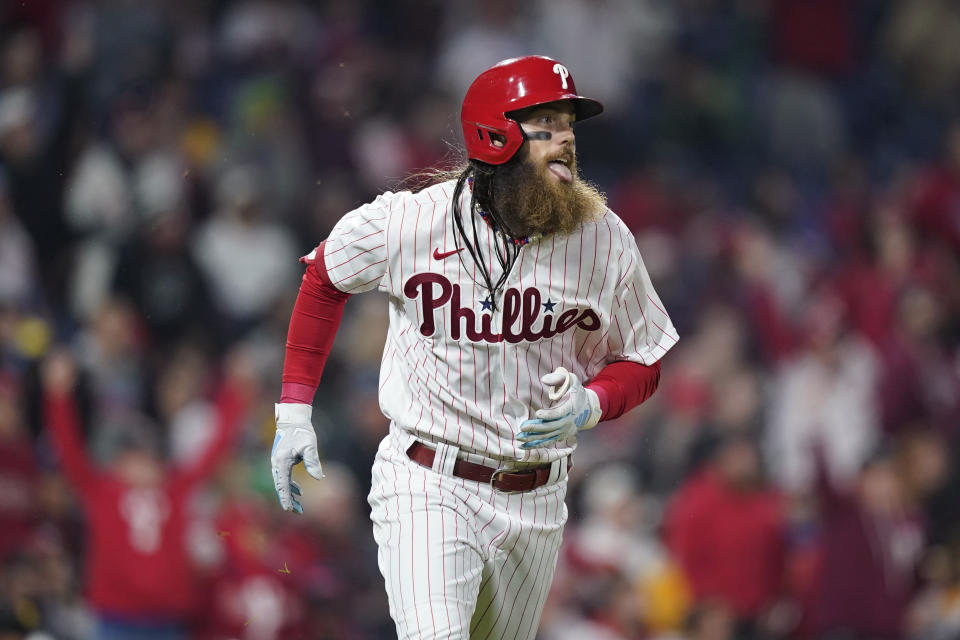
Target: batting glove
x=579 y=409
x=294 y=442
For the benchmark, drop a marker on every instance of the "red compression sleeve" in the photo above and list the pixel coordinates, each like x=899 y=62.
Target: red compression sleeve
x=623 y=385
x=313 y=324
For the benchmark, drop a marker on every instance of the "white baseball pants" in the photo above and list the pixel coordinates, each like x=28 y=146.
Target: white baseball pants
x=461 y=560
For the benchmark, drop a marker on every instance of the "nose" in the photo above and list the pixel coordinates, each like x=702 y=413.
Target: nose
x=565 y=137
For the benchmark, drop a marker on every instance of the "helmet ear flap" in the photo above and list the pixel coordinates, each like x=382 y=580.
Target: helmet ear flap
x=498 y=144
x=514 y=139
x=491 y=137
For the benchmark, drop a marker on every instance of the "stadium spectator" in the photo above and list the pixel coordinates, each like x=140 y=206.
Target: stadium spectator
x=872 y=538
x=826 y=390
x=727 y=529
x=19 y=471
x=243 y=290
x=139 y=579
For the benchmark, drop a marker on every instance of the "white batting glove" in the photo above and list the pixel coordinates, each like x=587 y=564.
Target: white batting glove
x=578 y=409
x=295 y=441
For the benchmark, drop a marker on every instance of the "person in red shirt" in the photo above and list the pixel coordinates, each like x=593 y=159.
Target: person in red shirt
x=19 y=471
x=252 y=594
x=871 y=545
x=935 y=206
x=139 y=579
x=728 y=532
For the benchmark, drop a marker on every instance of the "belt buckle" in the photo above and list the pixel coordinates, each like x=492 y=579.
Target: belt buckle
x=493 y=479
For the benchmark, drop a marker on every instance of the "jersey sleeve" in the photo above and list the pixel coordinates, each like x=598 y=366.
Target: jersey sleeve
x=641 y=329
x=355 y=253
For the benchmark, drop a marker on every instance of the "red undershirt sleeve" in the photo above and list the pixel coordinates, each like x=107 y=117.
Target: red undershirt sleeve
x=313 y=324
x=623 y=385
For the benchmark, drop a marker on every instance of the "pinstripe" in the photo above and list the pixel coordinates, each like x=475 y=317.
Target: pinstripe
x=616 y=321
x=413 y=563
x=491 y=592
x=473 y=357
x=602 y=339
x=624 y=277
x=545 y=564
x=360 y=239
x=496 y=431
x=538 y=563
x=593 y=272
x=397 y=590
x=509 y=581
x=426 y=518
x=357 y=255
x=359 y=271
x=548 y=568
x=363 y=286
x=662 y=330
x=443 y=560
x=457 y=569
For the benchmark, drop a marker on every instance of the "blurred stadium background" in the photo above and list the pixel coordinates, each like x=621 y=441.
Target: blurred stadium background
x=791 y=169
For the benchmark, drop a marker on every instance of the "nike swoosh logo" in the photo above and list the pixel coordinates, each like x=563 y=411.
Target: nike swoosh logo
x=446 y=254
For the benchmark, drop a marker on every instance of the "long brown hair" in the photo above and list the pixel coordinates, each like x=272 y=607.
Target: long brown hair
x=481 y=177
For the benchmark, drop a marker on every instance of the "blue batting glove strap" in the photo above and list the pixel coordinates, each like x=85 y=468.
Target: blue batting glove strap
x=538 y=432
x=531 y=444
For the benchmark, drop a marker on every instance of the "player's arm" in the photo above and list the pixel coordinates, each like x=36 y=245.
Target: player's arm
x=313 y=325
x=352 y=259
x=63 y=421
x=619 y=387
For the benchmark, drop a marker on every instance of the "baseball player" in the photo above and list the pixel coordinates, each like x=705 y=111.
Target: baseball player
x=520 y=315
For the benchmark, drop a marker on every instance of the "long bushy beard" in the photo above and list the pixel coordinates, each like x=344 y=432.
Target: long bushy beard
x=520 y=199
x=530 y=201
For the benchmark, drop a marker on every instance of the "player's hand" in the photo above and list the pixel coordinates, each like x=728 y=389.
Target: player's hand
x=578 y=409
x=295 y=441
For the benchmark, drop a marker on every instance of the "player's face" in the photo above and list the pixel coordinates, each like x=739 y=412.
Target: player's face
x=539 y=190
x=552 y=145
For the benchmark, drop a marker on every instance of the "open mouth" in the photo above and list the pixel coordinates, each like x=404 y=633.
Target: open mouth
x=560 y=167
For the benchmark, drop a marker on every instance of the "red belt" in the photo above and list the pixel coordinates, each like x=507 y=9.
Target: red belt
x=499 y=479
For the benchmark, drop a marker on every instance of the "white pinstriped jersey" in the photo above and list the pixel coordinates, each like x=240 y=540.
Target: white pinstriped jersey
x=458 y=371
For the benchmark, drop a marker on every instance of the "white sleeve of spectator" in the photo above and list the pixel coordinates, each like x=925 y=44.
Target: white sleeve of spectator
x=356 y=251
x=641 y=330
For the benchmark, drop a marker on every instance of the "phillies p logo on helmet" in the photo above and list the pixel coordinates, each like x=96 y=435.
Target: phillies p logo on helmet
x=563 y=73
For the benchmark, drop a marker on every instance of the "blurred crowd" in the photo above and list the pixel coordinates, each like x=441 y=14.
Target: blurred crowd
x=791 y=169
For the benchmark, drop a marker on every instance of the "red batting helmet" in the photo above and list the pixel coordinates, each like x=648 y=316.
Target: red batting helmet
x=509 y=86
